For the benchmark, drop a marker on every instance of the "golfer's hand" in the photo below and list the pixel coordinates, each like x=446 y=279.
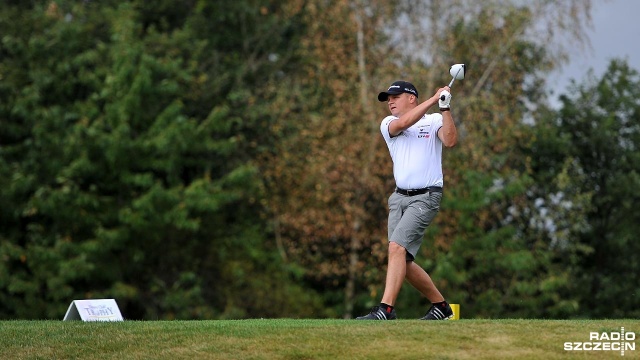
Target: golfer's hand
x=444 y=98
x=439 y=90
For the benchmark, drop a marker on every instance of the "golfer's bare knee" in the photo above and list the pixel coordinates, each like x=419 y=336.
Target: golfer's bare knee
x=396 y=250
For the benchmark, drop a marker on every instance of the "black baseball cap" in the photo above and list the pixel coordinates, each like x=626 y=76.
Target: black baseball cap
x=396 y=88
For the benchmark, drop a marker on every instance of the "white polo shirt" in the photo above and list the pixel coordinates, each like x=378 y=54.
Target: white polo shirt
x=416 y=152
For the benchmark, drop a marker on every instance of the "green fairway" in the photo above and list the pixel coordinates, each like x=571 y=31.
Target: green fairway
x=310 y=339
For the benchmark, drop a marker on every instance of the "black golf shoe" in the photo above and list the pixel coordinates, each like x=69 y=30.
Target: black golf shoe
x=439 y=312
x=378 y=313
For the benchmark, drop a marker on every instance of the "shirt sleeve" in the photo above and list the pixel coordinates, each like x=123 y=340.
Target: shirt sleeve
x=384 y=127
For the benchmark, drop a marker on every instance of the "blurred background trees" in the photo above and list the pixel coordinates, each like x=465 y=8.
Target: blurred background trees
x=210 y=160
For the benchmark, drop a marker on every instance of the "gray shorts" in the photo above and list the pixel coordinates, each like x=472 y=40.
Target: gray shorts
x=409 y=217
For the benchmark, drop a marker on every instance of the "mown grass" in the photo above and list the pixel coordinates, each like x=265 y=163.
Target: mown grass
x=307 y=339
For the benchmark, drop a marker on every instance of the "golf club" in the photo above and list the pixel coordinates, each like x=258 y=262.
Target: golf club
x=457 y=71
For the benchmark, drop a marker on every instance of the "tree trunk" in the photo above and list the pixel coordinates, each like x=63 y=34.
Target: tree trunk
x=361 y=191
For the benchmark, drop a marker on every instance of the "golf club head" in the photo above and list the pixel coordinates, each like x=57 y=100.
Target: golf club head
x=457 y=71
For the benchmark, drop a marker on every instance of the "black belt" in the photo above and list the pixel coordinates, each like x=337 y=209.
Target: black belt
x=413 y=192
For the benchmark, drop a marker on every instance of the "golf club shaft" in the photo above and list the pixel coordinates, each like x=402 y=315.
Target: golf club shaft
x=454 y=77
x=452 y=80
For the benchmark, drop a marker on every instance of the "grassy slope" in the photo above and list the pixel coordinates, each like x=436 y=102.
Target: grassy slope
x=307 y=339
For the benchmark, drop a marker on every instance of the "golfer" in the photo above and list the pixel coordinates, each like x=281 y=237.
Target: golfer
x=415 y=141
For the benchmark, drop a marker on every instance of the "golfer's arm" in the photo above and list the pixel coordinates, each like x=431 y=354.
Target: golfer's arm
x=411 y=117
x=448 y=132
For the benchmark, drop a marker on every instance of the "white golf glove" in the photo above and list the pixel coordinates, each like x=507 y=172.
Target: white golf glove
x=445 y=99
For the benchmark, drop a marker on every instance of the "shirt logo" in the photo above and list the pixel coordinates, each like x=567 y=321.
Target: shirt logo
x=423 y=132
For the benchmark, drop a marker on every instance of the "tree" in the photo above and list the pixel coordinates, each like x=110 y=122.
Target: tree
x=595 y=135
x=221 y=159
x=127 y=162
x=344 y=181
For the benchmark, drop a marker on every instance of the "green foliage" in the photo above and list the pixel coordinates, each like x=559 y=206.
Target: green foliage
x=592 y=146
x=215 y=159
x=124 y=174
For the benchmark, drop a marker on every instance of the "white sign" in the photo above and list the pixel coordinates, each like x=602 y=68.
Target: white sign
x=93 y=310
x=606 y=341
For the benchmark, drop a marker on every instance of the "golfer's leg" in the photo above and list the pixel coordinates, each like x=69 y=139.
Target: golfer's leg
x=396 y=272
x=420 y=280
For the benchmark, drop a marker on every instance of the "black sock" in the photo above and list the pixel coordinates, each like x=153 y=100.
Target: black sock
x=441 y=304
x=387 y=308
